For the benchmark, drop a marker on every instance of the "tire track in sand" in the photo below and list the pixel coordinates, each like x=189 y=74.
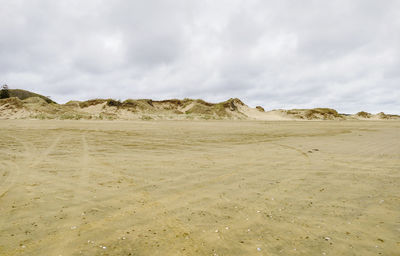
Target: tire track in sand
x=84 y=172
x=45 y=153
x=150 y=205
x=8 y=178
x=146 y=206
x=187 y=191
x=11 y=175
x=295 y=149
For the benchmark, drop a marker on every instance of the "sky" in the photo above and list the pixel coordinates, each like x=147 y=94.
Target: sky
x=278 y=54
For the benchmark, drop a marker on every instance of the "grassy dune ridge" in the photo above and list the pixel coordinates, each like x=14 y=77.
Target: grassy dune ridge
x=40 y=107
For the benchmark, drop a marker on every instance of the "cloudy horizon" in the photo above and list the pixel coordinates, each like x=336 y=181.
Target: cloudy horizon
x=278 y=54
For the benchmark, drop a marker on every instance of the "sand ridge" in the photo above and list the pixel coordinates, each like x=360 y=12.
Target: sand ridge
x=146 y=109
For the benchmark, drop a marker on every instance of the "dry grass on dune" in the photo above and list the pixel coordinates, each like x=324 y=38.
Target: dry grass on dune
x=261 y=109
x=23 y=94
x=364 y=114
x=11 y=103
x=173 y=109
x=315 y=113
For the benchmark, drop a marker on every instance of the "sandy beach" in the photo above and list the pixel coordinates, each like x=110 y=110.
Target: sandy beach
x=199 y=187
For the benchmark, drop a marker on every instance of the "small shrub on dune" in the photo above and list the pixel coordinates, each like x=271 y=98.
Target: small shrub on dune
x=4 y=94
x=363 y=114
x=129 y=104
x=382 y=115
x=175 y=102
x=114 y=103
x=89 y=103
x=326 y=113
x=146 y=117
x=261 y=109
x=204 y=102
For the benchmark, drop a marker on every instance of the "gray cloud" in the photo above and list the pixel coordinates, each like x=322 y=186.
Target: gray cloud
x=278 y=54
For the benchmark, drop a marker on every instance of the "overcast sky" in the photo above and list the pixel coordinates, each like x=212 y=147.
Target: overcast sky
x=342 y=54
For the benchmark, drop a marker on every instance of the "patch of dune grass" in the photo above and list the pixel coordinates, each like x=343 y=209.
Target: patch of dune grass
x=364 y=114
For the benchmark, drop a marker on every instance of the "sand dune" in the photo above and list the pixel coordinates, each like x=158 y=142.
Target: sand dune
x=145 y=109
x=199 y=188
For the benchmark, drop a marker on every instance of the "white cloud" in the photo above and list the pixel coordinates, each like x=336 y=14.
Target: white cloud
x=279 y=54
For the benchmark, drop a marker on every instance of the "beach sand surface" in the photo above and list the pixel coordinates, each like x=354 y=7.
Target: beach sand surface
x=199 y=187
